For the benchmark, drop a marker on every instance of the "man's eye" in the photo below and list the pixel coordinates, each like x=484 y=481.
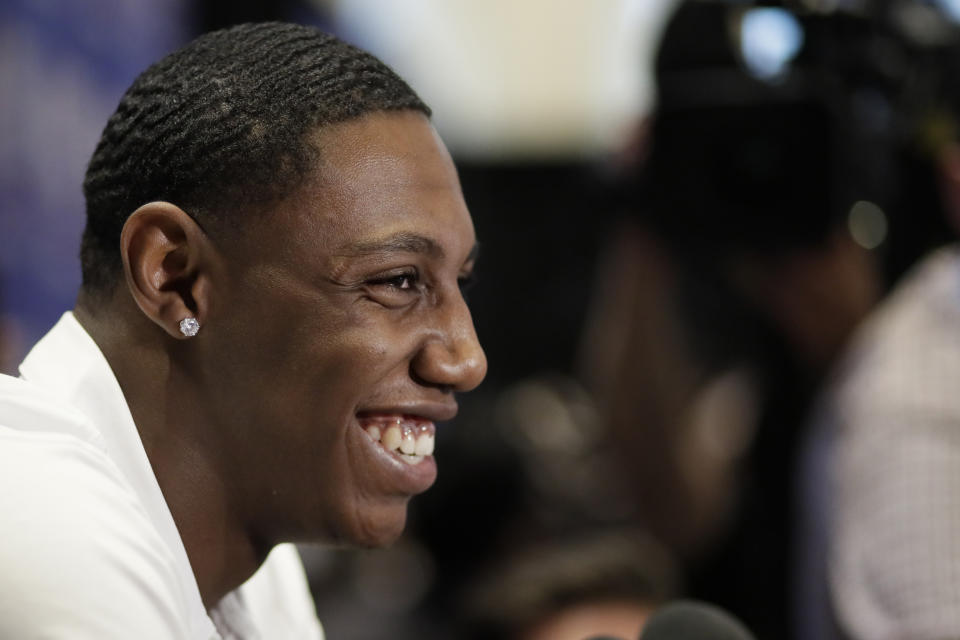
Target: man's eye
x=400 y=281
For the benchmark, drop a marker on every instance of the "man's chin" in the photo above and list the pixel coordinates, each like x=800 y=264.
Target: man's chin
x=384 y=534
x=376 y=530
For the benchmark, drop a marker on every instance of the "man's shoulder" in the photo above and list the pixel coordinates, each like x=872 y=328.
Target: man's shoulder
x=77 y=543
x=55 y=478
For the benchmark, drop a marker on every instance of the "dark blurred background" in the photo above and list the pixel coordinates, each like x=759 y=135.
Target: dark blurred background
x=684 y=209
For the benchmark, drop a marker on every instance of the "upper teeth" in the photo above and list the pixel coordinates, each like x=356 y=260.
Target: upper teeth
x=415 y=441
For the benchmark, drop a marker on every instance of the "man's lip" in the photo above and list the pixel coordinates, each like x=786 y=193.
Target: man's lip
x=433 y=412
x=389 y=431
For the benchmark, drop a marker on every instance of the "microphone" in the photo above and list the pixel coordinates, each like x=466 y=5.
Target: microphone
x=692 y=620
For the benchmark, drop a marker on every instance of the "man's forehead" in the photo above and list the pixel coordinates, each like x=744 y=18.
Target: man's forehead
x=382 y=184
x=379 y=147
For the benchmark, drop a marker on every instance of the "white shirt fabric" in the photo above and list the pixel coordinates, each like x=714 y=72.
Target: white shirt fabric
x=887 y=452
x=88 y=547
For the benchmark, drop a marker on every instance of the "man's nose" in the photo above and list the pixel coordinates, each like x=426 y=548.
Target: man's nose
x=452 y=357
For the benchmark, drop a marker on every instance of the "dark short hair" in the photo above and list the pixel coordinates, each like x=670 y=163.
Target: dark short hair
x=221 y=126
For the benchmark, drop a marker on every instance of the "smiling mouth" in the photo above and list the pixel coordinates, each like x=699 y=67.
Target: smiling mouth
x=410 y=438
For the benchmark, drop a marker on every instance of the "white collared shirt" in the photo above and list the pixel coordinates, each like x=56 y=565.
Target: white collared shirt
x=88 y=547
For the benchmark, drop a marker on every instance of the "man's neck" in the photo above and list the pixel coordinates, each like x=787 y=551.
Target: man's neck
x=170 y=420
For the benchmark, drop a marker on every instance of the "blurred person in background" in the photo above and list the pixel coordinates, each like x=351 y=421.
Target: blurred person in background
x=696 y=356
x=881 y=474
x=781 y=194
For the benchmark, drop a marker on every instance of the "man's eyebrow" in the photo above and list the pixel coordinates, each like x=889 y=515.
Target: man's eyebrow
x=397 y=243
x=403 y=243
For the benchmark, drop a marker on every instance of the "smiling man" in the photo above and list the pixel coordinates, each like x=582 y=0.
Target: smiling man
x=270 y=326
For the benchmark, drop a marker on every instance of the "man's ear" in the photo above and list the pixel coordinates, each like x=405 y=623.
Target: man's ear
x=166 y=256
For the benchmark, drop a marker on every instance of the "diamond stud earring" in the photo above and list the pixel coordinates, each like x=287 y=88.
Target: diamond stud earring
x=189 y=327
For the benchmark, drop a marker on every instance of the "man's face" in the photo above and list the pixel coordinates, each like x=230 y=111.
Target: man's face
x=338 y=335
